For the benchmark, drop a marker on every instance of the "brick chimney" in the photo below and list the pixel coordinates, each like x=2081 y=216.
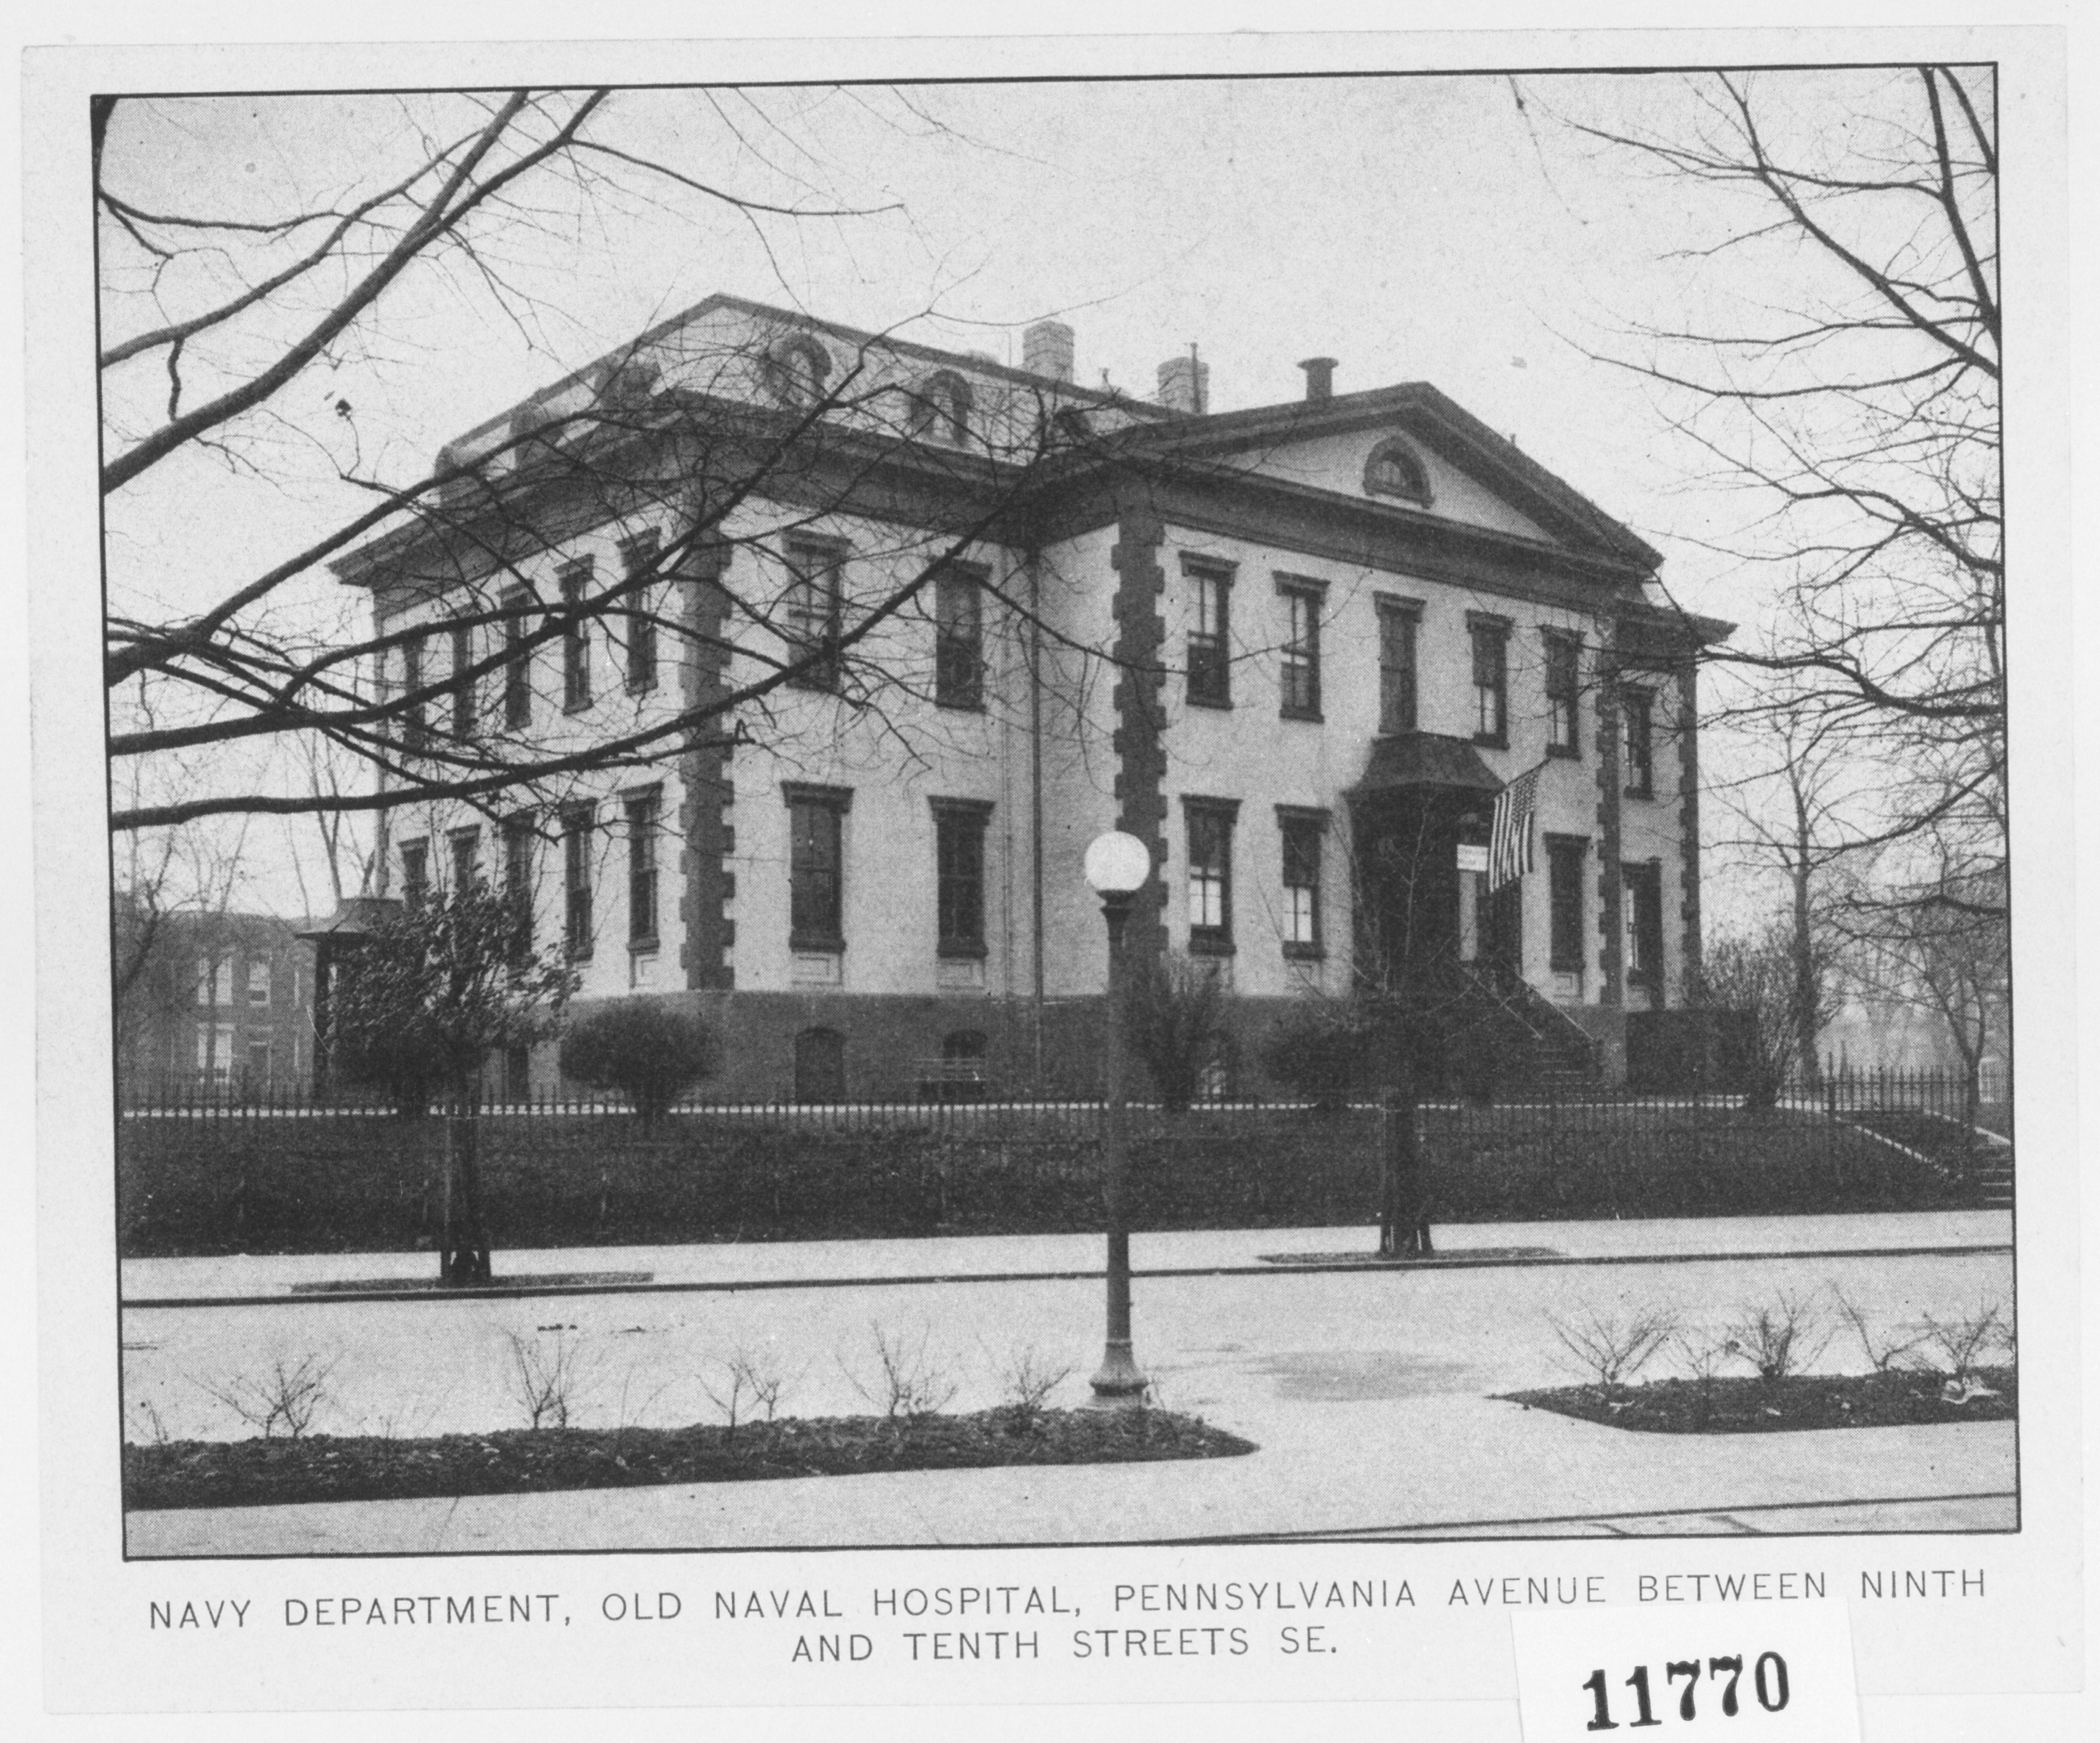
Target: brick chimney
x=1185 y=385
x=1046 y=350
x=1319 y=377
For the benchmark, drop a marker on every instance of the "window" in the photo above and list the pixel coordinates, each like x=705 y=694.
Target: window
x=576 y=638
x=642 y=818
x=816 y=866
x=796 y=371
x=517 y=660
x=214 y=982
x=1210 y=623
x=1564 y=687
x=1565 y=857
x=465 y=846
x=638 y=553
x=1210 y=830
x=1395 y=469
x=1643 y=919
x=464 y=700
x=1491 y=680
x=1301 y=650
x=964 y=1053
x=1398 y=621
x=415 y=874
x=959 y=837
x=259 y=1062
x=1637 y=707
x=959 y=639
x=214 y=1050
x=1303 y=834
x=810 y=613
x=259 y=983
x=577 y=822
x=939 y=408
x=415 y=721
x=518 y=876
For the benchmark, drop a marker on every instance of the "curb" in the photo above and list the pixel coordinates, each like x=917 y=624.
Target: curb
x=1456 y=1262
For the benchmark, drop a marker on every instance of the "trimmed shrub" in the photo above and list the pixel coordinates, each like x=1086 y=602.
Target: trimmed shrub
x=646 y=1050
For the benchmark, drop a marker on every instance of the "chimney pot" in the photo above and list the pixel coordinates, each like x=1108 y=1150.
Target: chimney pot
x=1185 y=385
x=1046 y=350
x=1319 y=377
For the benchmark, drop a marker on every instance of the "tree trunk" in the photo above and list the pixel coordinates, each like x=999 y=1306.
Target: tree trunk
x=463 y=1261
x=1807 y=984
x=1403 y=1208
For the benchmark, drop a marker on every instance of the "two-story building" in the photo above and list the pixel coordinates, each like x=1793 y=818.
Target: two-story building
x=212 y=1004
x=944 y=621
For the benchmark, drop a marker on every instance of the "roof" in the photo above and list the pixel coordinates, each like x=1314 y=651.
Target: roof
x=1404 y=761
x=356 y=918
x=1433 y=418
x=856 y=335
x=1576 y=539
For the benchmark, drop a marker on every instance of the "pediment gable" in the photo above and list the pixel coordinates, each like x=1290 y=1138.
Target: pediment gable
x=1413 y=450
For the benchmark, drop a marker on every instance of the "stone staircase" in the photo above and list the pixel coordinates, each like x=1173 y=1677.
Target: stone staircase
x=1538 y=1050
x=1992 y=1175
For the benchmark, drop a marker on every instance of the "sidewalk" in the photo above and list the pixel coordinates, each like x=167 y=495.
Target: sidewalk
x=1448 y=1467
x=822 y=1264
x=1372 y=1394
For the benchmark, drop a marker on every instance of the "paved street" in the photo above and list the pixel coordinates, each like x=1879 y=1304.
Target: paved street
x=1369 y=1392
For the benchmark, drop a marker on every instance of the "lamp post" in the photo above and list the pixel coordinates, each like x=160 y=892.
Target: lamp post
x=1117 y=866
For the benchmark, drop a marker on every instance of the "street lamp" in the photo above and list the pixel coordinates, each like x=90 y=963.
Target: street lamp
x=1117 y=866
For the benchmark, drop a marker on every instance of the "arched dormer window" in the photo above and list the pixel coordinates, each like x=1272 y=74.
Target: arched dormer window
x=796 y=371
x=1395 y=469
x=940 y=408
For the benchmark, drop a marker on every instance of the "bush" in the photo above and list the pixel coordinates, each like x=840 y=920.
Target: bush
x=1175 y=1020
x=648 y=1051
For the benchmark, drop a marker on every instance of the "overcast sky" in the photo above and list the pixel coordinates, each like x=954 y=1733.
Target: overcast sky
x=1446 y=229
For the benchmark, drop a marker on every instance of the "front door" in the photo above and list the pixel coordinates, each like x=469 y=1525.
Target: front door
x=1409 y=911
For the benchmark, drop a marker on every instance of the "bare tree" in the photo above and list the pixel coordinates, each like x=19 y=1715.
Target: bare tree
x=1794 y=816
x=1860 y=418
x=168 y=883
x=731 y=445
x=1947 y=959
x=1759 y=973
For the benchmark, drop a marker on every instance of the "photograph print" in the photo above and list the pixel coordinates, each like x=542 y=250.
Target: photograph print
x=1077 y=812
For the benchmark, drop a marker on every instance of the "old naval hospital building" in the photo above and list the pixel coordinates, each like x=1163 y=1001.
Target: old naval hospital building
x=885 y=635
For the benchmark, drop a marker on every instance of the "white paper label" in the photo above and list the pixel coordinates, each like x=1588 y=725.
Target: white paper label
x=1721 y=1671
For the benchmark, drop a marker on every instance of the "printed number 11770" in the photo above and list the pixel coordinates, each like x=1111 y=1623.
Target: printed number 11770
x=1723 y=1674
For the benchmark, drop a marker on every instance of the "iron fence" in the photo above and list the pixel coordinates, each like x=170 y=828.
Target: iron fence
x=286 y=1171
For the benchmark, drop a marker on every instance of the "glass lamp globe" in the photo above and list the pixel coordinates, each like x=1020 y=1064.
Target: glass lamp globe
x=1117 y=864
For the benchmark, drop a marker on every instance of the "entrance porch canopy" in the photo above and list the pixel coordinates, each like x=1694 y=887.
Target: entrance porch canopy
x=1416 y=762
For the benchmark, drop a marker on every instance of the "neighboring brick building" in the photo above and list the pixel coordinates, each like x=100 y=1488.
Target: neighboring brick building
x=222 y=1003
x=1296 y=649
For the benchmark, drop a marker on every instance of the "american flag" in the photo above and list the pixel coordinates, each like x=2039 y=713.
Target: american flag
x=1509 y=833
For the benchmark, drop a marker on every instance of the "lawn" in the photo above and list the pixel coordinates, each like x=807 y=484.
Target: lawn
x=341 y=1182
